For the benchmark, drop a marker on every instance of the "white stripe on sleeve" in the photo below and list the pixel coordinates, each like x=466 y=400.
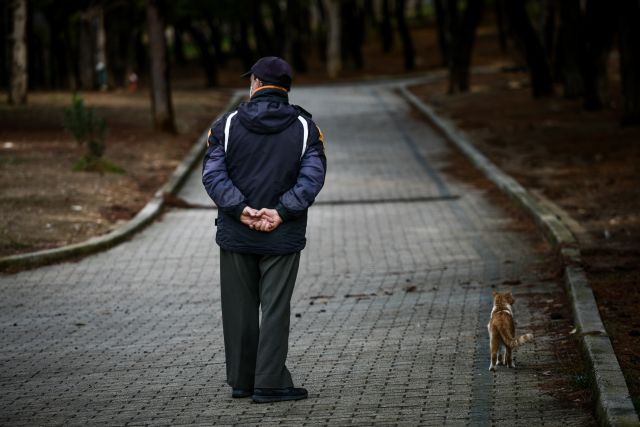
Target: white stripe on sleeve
x=227 y=126
x=305 y=134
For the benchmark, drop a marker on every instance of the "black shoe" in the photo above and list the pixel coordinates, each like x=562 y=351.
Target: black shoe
x=241 y=392
x=265 y=395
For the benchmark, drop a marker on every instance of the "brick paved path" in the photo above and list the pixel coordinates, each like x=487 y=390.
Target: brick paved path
x=133 y=335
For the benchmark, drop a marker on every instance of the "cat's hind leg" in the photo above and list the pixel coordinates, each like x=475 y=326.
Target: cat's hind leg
x=509 y=359
x=502 y=355
x=494 y=344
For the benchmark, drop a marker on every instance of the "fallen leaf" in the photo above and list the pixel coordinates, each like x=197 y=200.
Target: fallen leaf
x=356 y=296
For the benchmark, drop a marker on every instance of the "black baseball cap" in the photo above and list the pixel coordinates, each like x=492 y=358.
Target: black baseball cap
x=273 y=70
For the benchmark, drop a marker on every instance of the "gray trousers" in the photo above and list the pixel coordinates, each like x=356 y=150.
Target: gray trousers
x=256 y=349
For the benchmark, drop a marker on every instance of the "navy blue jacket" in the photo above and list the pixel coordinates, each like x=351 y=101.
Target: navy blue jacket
x=258 y=156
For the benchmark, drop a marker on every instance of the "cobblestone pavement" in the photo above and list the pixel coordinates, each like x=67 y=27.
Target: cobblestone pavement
x=388 y=317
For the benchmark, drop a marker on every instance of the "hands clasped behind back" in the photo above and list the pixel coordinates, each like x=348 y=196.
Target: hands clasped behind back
x=264 y=219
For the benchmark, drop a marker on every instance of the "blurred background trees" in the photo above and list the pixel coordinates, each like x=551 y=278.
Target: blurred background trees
x=18 y=37
x=161 y=104
x=98 y=44
x=457 y=23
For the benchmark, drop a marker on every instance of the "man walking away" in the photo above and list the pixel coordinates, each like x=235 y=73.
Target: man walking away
x=264 y=167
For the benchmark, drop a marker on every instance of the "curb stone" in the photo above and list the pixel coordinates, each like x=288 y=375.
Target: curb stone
x=613 y=402
x=144 y=217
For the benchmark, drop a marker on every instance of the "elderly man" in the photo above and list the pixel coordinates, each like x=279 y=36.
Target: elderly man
x=264 y=167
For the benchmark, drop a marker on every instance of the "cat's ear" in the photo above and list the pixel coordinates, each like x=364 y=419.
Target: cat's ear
x=493 y=292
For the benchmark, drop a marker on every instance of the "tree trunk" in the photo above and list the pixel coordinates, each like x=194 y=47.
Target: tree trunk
x=450 y=21
x=334 y=64
x=548 y=18
x=4 y=44
x=57 y=59
x=464 y=45
x=441 y=24
x=322 y=31
x=629 y=41
x=386 y=31
x=18 y=86
x=207 y=60
x=460 y=37
x=85 y=52
x=35 y=58
x=600 y=26
x=352 y=33
x=246 y=55
x=161 y=105
x=101 y=49
x=216 y=41
x=290 y=30
x=178 y=45
x=129 y=64
x=123 y=25
x=405 y=35
x=299 y=25
x=280 y=38
x=520 y=23
x=418 y=9
x=140 y=54
x=71 y=55
x=502 y=30
x=569 y=50
x=264 y=43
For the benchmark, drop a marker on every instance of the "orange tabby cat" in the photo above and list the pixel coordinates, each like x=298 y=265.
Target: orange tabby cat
x=502 y=331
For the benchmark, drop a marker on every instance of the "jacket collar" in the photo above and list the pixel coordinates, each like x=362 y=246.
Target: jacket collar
x=270 y=93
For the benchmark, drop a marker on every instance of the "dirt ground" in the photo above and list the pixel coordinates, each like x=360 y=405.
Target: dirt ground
x=44 y=204
x=584 y=162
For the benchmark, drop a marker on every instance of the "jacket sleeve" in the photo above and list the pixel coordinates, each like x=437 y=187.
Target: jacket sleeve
x=313 y=167
x=215 y=177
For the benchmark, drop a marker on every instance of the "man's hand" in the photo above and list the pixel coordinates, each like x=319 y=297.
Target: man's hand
x=265 y=220
x=270 y=220
x=249 y=217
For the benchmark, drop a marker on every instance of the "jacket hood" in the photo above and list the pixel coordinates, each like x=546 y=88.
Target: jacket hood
x=268 y=112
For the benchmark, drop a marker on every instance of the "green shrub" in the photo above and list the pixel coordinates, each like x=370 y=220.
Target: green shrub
x=89 y=129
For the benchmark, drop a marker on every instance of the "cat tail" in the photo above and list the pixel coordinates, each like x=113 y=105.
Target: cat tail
x=516 y=342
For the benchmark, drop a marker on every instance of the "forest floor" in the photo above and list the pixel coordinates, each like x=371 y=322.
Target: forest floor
x=45 y=204
x=585 y=163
